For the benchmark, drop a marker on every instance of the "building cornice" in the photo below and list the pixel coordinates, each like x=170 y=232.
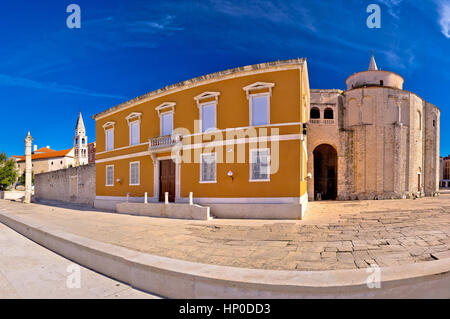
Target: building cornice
x=205 y=79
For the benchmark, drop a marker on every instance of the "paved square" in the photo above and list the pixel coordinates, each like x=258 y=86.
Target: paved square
x=334 y=235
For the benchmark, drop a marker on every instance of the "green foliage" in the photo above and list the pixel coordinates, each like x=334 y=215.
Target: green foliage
x=8 y=174
x=22 y=178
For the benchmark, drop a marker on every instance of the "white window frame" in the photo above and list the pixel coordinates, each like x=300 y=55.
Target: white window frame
x=132 y=118
x=251 y=161
x=200 y=106
x=250 y=99
x=106 y=139
x=130 y=125
x=164 y=109
x=207 y=96
x=201 y=168
x=106 y=127
x=106 y=175
x=257 y=86
x=139 y=173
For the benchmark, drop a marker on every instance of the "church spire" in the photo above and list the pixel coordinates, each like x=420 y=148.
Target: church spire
x=373 y=64
x=80 y=125
x=80 y=143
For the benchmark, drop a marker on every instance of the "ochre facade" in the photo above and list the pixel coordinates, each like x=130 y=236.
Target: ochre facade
x=233 y=92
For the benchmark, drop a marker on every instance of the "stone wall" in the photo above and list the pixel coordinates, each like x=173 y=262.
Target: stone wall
x=72 y=185
x=387 y=142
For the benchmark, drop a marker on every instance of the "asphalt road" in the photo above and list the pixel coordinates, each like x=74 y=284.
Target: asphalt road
x=28 y=270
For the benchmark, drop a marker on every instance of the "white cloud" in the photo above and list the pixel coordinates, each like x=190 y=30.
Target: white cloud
x=444 y=17
x=165 y=24
x=277 y=12
x=392 y=6
x=13 y=81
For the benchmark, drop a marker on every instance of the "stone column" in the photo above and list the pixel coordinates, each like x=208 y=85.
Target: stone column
x=28 y=168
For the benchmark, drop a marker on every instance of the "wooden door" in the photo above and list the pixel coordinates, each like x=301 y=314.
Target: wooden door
x=167 y=180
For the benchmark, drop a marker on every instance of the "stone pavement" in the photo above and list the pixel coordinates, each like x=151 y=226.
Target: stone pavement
x=28 y=270
x=333 y=235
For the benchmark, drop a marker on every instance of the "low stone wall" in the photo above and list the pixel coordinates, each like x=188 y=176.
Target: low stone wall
x=171 y=210
x=12 y=195
x=71 y=185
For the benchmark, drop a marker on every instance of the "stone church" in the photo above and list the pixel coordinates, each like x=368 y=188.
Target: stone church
x=373 y=140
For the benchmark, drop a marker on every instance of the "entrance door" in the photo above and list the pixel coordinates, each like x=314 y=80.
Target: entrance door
x=325 y=172
x=167 y=180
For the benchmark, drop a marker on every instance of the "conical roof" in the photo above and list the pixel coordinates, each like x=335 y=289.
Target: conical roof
x=80 y=124
x=373 y=64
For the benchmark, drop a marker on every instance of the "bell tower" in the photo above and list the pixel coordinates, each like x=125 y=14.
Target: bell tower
x=80 y=143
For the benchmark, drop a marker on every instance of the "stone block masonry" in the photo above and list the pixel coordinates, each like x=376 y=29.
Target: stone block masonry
x=71 y=185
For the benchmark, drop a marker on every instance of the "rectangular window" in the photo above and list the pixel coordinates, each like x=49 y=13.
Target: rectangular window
x=166 y=124
x=208 y=168
x=259 y=109
x=134 y=173
x=109 y=139
x=134 y=132
x=110 y=175
x=208 y=116
x=260 y=165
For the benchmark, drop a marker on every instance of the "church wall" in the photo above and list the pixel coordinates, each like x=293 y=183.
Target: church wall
x=380 y=149
x=369 y=78
x=416 y=144
x=391 y=155
x=432 y=138
x=385 y=137
x=324 y=134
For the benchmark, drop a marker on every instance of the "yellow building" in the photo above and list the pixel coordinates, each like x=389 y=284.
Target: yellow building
x=234 y=139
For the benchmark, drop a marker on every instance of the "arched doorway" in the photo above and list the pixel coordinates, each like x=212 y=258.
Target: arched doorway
x=325 y=171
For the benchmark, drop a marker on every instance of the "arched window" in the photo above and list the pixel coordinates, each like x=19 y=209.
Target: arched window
x=328 y=114
x=315 y=113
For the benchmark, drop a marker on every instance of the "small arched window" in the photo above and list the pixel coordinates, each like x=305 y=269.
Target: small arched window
x=315 y=113
x=328 y=114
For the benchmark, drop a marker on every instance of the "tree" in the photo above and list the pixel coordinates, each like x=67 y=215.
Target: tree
x=22 y=178
x=8 y=174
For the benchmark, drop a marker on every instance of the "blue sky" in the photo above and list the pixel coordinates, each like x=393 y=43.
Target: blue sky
x=49 y=73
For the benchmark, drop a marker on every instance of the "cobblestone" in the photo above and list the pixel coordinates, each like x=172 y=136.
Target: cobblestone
x=333 y=235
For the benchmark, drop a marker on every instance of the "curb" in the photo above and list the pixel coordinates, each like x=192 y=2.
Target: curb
x=175 y=278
